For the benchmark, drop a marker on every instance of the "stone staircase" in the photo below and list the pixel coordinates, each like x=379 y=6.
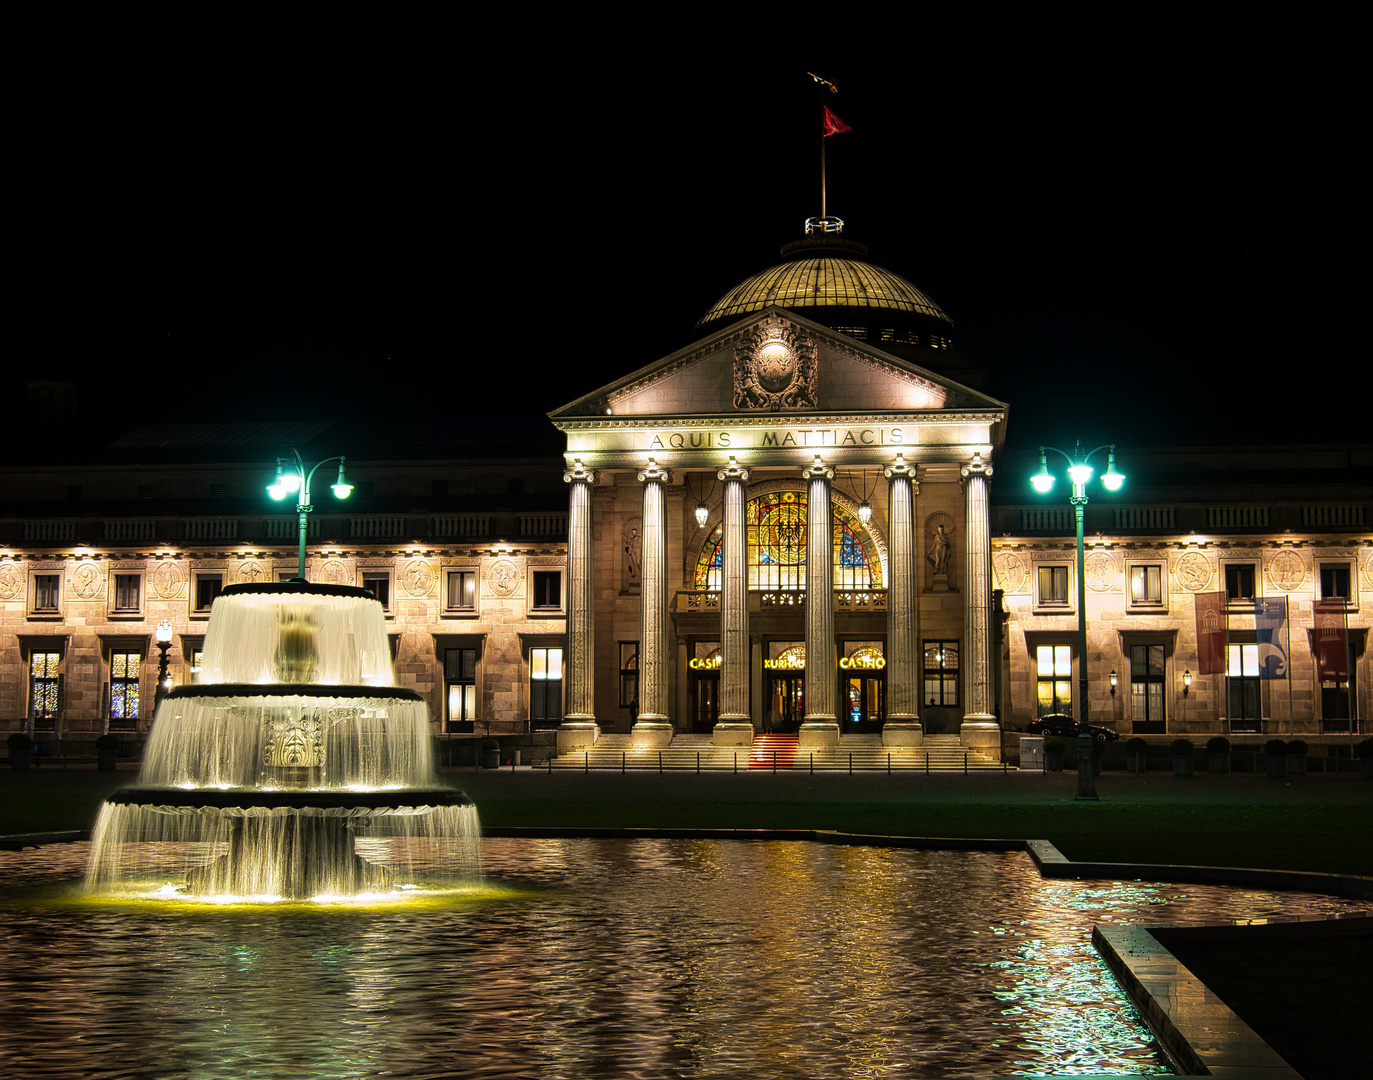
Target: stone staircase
x=855 y=753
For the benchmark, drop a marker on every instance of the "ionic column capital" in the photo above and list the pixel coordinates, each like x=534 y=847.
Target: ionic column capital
x=818 y=471
x=900 y=467
x=579 y=474
x=976 y=467
x=732 y=471
x=654 y=473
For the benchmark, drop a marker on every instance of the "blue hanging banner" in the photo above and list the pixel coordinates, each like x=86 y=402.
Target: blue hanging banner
x=1270 y=627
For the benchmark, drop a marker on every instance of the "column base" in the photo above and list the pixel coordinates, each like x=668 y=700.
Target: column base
x=577 y=735
x=903 y=732
x=651 y=735
x=818 y=734
x=982 y=733
x=732 y=733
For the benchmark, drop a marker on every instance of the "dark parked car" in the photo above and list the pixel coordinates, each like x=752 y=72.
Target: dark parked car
x=1065 y=727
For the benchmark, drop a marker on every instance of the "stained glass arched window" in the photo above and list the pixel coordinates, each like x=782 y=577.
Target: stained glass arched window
x=775 y=540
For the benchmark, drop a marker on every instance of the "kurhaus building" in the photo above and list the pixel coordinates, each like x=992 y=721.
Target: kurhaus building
x=792 y=525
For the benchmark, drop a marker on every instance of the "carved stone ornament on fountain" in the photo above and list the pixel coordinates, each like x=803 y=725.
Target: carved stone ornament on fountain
x=775 y=368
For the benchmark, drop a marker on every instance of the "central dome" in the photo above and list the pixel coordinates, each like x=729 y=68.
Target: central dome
x=826 y=279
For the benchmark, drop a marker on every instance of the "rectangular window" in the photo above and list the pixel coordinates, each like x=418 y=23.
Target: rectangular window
x=205 y=586
x=1335 y=579
x=378 y=583
x=1054 y=669
x=545 y=687
x=1146 y=584
x=629 y=674
x=1053 y=586
x=125 y=669
x=548 y=589
x=128 y=594
x=460 y=678
x=1243 y=688
x=47 y=594
x=1239 y=581
x=197 y=661
x=941 y=673
x=462 y=591
x=1146 y=689
x=45 y=688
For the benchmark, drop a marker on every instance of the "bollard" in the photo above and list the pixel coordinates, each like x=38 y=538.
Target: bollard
x=660 y=763
x=927 y=763
x=774 y=763
x=698 y=763
x=586 y=762
x=812 y=763
x=735 y=758
x=888 y=762
x=965 y=763
x=623 y=755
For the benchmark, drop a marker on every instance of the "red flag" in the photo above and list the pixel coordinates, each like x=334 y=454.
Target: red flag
x=1211 y=632
x=833 y=125
x=1332 y=639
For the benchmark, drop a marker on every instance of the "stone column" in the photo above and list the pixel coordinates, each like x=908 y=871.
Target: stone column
x=979 y=730
x=653 y=728
x=821 y=727
x=579 y=728
x=904 y=664
x=735 y=726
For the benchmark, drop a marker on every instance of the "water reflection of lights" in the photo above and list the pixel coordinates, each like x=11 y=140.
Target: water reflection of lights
x=590 y=957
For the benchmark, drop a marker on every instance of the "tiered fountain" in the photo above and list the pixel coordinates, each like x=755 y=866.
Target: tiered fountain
x=295 y=750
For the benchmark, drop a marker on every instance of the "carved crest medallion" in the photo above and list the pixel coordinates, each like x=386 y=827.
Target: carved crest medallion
x=1101 y=572
x=775 y=368
x=1193 y=571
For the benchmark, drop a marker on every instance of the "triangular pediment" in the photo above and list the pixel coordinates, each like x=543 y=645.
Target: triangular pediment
x=776 y=362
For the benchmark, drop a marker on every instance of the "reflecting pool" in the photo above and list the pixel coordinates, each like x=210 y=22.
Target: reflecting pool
x=585 y=958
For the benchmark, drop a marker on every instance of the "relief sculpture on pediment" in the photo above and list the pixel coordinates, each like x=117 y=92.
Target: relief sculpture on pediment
x=775 y=368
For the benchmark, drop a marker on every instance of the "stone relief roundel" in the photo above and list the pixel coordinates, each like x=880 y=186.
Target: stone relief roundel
x=1367 y=571
x=250 y=572
x=1101 y=572
x=1287 y=571
x=1010 y=572
x=1193 y=571
x=11 y=581
x=167 y=580
x=86 y=580
x=503 y=577
x=775 y=368
x=418 y=577
x=335 y=572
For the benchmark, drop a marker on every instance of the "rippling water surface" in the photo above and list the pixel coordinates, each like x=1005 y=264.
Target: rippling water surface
x=587 y=958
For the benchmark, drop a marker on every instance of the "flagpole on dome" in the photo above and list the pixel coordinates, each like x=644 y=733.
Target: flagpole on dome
x=830 y=124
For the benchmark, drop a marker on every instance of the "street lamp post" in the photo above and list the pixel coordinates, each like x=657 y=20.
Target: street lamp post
x=163 y=636
x=291 y=478
x=1079 y=472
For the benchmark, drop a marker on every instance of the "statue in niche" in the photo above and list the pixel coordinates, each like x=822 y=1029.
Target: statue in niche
x=632 y=542
x=939 y=550
x=939 y=556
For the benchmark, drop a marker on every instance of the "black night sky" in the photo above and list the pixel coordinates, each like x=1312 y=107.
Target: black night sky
x=1152 y=226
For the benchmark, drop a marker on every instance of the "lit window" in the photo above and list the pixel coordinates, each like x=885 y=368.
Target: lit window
x=205 y=586
x=125 y=668
x=1053 y=586
x=1146 y=688
x=1054 y=667
x=1146 y=584
x=1239 y=581
x=197 y=662
x=462 y=590
x=941 y=673
x=545 y=687
x=1243 y=672
x=45 y=688
x=460 y=677
x=378 y=583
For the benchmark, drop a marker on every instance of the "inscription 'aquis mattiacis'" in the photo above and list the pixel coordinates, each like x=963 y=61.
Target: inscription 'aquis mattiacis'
x=799 y=438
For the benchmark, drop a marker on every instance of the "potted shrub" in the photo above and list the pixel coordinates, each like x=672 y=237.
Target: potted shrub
x=1276 y=752
x=1053 y=755
x=1364 y=752
x=21 y=750
x=1136 y=750
x=1182 y=756
x=491 y=754
x=1218 y=753
x=1296 y=757
x=106 y=749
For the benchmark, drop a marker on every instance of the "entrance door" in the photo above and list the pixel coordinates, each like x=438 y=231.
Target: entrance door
x=786 y=701
x=866 y=700
x=705 y=701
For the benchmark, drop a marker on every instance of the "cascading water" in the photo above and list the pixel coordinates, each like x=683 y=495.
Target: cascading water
x=294 y=753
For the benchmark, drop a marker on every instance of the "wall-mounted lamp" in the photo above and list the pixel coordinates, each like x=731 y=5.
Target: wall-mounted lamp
x=1114 y=679
x=1186 y=681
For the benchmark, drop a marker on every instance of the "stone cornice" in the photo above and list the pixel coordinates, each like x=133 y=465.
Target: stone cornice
x=929 y=417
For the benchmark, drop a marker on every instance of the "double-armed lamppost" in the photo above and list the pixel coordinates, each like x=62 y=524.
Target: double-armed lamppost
x=292 y=477
x=1079 y=472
